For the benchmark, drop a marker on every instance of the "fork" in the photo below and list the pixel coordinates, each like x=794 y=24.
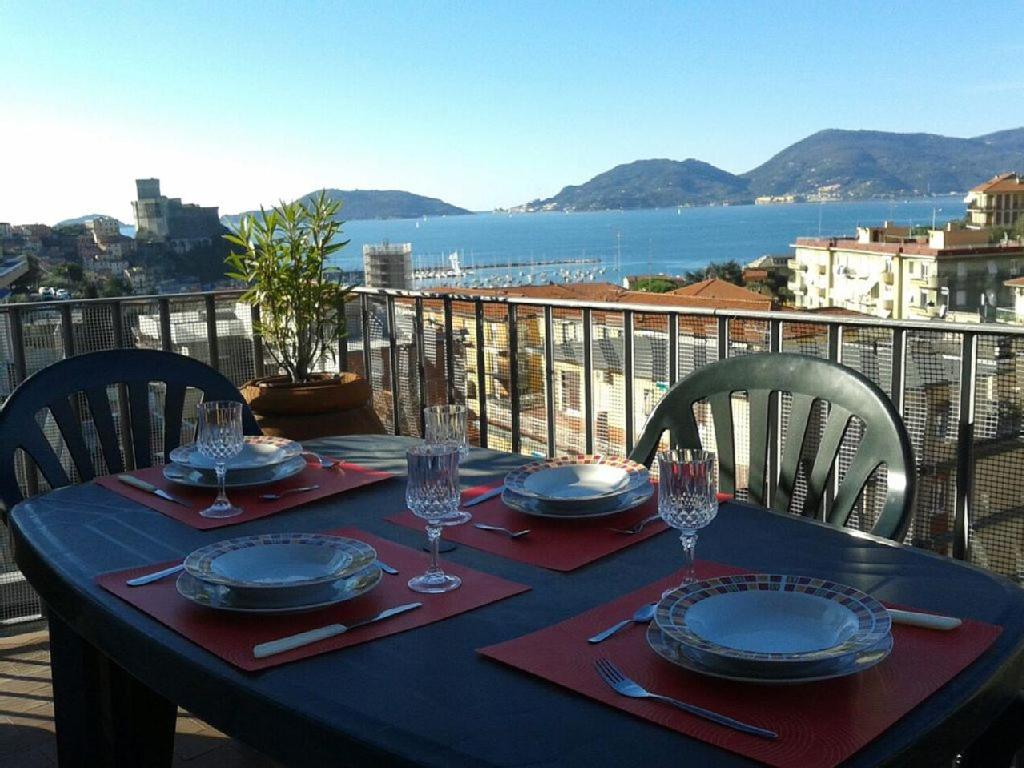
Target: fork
x=626 y=687
x=276 y=496
x=498 y=529
x=637 y=527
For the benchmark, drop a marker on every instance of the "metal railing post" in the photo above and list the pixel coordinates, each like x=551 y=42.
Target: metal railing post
x=588 y=380
x=627 y=372
x=164 y=310
x=965 y=447
x=67 y=334
x=513 y=378
x=449 y=351
x=211 y=330
x=396 y=405
x=481 y=374
x=549 y=376
x=673 y=349
x=364 y=308
x=421 y=364
x=723 y=337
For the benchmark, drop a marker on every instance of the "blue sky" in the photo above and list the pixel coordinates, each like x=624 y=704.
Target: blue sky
x=483 y=104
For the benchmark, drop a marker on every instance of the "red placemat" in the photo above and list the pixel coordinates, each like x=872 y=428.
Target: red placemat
x=559 y=545
x=819 y=724
x=253 y=508
x=231 y=636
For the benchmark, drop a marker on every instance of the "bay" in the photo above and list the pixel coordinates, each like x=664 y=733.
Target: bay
x=655 y=241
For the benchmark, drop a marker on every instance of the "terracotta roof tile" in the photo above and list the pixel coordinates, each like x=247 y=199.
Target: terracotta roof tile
x=1004 y=182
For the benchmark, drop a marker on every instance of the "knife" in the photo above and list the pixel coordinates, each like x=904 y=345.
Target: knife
x=149 y=578
x=262 y=650
x=142 y=485
x=485 y=496
x=925 y=620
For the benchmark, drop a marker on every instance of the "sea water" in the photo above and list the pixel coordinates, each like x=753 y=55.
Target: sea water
x=608 y=245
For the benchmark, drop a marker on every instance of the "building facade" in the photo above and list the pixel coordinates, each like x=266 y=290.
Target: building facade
x=999 y=202
x=183 y=226
x=893 y=272
x=388 y=265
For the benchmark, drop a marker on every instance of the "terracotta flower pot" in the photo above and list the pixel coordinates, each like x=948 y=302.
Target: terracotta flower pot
x=328 y=405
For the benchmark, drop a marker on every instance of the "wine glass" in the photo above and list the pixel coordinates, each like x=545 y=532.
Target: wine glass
x=220 y=438
x=686 y=497
x=432 y=493
x=446 y=425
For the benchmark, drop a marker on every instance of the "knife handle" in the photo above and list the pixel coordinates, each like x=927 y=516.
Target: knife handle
x=262 y=650
x=135 y=482
x=924 y=620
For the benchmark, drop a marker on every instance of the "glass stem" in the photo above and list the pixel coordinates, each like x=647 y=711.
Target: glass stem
x=221 y=469
x=689 y=542
x=434 y=537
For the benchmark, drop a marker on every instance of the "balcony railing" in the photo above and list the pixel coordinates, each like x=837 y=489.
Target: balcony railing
x=546 y=377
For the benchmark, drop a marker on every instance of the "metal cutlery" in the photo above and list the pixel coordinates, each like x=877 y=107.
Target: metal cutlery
x=485 y=496
x=499 y=529
x=924 y=620
x=142 y=485
x=276 y=496
x=334 y=465
x=637 y=527
x=387 y=568
x=624 y=686
x=149 y=578
x=262 y=650
x=642 y=615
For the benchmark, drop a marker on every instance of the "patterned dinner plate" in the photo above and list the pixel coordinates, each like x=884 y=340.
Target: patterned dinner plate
x=759 y=619
x=279 y=561
x=258 y=451
x=577 y=479
x=224 y=598
x=239 y=478
x=599 y=508
x=808 y=672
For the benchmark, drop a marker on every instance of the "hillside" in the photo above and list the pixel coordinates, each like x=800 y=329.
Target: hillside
x=869 y=163
x=85 y=220
x=853 y=164
x=649 y=184
x=380 y=204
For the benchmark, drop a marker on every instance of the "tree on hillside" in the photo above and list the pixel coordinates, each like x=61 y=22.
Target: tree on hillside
x=731 y=271
x=656 y=285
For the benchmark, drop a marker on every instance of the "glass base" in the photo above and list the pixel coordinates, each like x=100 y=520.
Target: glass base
x=458 y=517
x=434 y=583
x=442 y=546
x=221 y=510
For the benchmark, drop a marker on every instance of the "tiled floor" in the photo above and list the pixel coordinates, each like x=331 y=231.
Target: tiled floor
x=26 y=717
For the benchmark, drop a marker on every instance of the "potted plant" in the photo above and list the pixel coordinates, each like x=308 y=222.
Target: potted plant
x=281 y=256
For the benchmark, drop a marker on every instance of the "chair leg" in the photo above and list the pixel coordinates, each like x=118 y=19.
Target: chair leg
x=103 y=715
x=1001 y=743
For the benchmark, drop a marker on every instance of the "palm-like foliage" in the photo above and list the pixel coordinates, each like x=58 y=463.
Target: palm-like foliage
x=283 y=257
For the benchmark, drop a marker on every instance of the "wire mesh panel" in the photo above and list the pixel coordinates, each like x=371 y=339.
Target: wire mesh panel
x=434 y=355
x=869 y=351
x=996 y=506
x=608 y=382
x=498 y=372
x=568 y=372
x=529 y=362
x=650 y=367
x=747 y=337
x=465 y=383
x=406 y=356
x=697 y=343
x=931 y=409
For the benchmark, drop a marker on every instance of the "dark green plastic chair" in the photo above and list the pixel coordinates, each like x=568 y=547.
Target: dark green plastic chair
x=809 y=380
x=90 y=374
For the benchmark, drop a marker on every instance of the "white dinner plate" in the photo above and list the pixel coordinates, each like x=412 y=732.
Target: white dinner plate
x=224 y=598
x=755 y=619
x=279 y=561
x=258 y=451
x=825 y=669
x=577 y=480
x=240 y=478
x=599 y=508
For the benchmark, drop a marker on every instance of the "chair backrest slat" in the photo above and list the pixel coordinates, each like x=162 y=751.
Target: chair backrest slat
x=812 y=383
x=174 y=404
x=796 y=435
x=828 y=448
x=106 y=431
x=138 y=402
x=71 y=430
x=132 y=370
x=725 y=441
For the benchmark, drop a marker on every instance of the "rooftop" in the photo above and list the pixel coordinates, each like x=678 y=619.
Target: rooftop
x=1004 y=182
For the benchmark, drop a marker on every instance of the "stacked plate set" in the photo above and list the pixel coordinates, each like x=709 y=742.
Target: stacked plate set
x=263 y=460
x=575 y=487
x=279 y=573
x=770 y=629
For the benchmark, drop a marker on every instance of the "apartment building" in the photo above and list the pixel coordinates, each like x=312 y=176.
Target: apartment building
x=894 y=272
x=999 y=202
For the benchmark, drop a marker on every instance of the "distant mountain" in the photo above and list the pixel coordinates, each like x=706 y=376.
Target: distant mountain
x=870 y=163
x=847 y=164
x=86 y=219
x=379 y=204
x=649 y=184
